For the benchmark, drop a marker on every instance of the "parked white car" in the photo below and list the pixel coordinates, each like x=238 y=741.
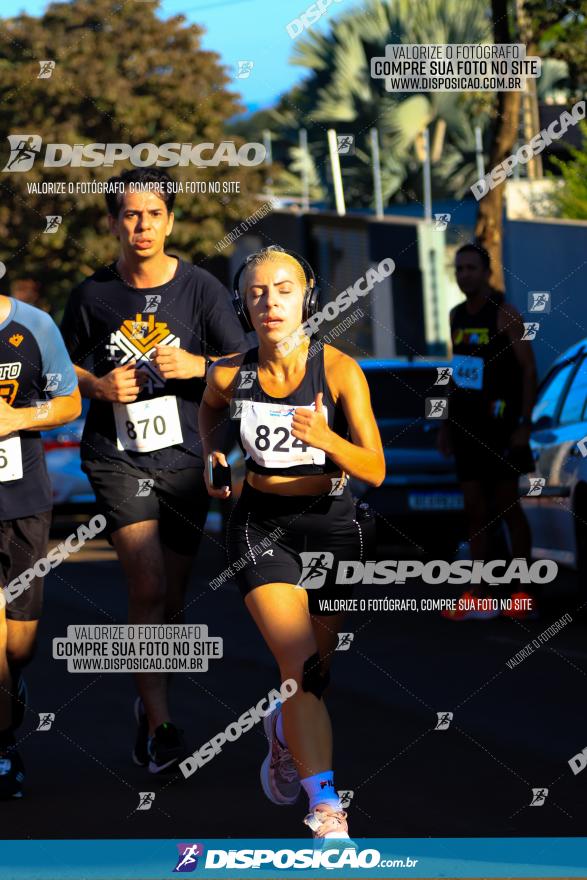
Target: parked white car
x=558 y=515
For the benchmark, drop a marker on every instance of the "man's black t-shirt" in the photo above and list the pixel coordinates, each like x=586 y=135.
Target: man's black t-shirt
x=108 y=323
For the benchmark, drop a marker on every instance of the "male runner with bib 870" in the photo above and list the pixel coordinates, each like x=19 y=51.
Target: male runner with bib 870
x=141 y=331
x=295 y=414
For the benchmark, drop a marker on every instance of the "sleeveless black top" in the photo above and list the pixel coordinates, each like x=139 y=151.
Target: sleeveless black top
x=478 y=336
x=275 y=439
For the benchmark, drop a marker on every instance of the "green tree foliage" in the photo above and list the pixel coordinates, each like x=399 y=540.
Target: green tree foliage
x=559 y=27
x=122 y=75
x=570 y=199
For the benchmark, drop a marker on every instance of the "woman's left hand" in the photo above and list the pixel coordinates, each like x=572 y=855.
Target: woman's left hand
x=310 y=426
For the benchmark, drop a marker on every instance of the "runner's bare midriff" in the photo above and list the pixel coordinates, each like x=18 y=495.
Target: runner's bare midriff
x=278 y=485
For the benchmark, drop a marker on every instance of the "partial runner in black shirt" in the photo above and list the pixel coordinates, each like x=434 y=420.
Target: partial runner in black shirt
x=143 y=332
x=489 y=417
x=38 y=390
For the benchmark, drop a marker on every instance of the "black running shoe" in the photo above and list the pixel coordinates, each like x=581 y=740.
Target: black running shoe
x=19 y=702
x=166 y=748
x=140 y=753
x=11 y=774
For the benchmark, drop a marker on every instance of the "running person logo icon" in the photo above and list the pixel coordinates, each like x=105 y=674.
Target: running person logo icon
x=53 y=222
x=24 y=150
x=315 y=568
x=345 y=144
x=539 y=301
x=246 y=379
x=46 y=720
x=444 y=719
x=346 y=796
x=46 y=69
x=536 y=486
x=530 y=330
x=188 y=857
x=539 y=796
x=152 y=301
x=436 y=408
x=146 y=799
x=344 y=641
x=444 y=374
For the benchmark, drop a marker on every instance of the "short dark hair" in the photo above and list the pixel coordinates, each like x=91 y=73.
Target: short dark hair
x=155 y=176
x=476 y=249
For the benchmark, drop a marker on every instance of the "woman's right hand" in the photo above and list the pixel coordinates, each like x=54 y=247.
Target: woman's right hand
x=224 y=492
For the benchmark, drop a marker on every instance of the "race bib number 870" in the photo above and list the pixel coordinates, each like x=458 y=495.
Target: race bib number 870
x=147 y=425
x=267 y=438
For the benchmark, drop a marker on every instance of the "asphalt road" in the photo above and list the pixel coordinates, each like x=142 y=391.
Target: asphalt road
x=512 y=729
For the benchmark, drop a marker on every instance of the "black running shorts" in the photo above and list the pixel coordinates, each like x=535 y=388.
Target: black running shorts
x=267 y=533
x=177 y=498
x=22 y=543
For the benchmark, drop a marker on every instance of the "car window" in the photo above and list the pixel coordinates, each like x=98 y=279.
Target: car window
x=549 y=395
x=400 y=392
x=576 y=396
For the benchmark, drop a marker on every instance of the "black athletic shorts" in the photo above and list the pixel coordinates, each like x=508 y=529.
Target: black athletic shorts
x=483 y=451
x=177 y=498
x=22 y=543
x=267 y=533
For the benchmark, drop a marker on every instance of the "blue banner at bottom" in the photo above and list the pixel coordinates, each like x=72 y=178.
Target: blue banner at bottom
x=447 y=857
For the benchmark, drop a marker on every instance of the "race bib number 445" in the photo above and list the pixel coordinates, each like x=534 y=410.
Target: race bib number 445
x=267 y=438
x=147 y=425
x=468 y=371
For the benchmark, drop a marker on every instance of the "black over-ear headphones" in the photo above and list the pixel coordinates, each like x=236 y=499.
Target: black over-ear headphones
x=311 y=294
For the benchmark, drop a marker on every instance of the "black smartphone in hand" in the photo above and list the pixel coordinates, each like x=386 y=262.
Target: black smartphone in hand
x=219 y=475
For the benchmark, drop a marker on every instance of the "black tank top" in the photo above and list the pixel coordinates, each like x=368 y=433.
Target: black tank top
x=264 y=429
x=478 y=336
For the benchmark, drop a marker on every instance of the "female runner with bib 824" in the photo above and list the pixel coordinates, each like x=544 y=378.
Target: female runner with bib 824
x=295 y=413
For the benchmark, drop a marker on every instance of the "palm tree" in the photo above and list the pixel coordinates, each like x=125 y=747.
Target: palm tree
x=340 y=93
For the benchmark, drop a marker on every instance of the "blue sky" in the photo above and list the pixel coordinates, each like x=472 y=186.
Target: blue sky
x=239 y=30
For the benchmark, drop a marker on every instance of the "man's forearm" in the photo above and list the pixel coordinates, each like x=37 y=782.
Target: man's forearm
x=89 y=385
x=49 y=413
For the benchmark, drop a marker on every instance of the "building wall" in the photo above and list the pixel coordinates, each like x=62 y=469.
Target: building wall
x=549 y=255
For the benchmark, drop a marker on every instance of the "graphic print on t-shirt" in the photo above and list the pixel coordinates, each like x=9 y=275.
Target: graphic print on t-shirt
x=136 y=340
x=9 y=374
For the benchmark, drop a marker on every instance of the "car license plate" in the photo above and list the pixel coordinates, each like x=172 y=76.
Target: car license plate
x=435 y=501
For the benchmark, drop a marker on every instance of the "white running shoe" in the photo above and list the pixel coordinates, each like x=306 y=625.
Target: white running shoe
x=330 y=826
x=279 y=776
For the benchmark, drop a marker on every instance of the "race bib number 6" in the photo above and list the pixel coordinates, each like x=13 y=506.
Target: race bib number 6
x=10 y=458
x=147 y=425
